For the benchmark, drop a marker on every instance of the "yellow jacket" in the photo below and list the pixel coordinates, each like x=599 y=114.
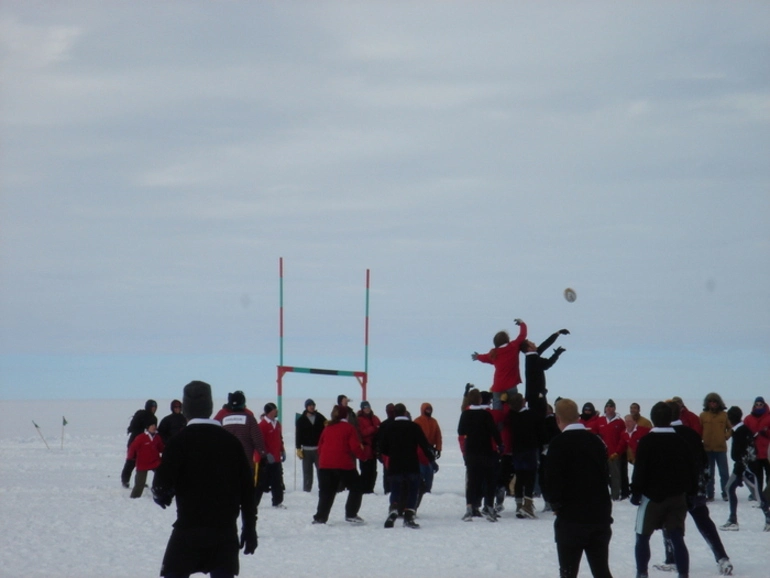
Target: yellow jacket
x=716 y=430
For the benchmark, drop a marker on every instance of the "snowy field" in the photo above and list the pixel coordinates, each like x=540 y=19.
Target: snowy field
x=63 y=512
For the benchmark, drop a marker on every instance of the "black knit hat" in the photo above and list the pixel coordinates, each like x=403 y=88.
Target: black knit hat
x=236 y=400
x=308 y=403
x=149 y=404
x=197 y=400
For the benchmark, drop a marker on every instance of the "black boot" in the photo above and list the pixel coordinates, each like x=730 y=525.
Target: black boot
x=409 y=519
x=391 y=518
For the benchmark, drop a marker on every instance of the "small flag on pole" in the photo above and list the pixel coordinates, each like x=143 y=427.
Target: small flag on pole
x=40 y=433
x=63 y=423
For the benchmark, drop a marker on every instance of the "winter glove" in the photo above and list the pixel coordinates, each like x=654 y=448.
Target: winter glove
x=636 y=499
x=468 y=386
x=270 y=458
x=163 y=499
x=559 y=350
x=249 y=539
x=475 y=356
x=518 y=321
x=283 y=455
x=300 y=453
x=437 y=453
x=564 y=331
x=434 y=466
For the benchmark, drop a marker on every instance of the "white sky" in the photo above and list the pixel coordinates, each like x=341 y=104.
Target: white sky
x=158 y=158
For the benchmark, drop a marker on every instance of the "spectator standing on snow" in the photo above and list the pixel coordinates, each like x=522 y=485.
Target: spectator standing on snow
x=758 y=421
x=368 y=425
x=742 y=453
x=145 y=450
x=338 y=449
x=634 y=411
x=270 y=477
x=142 y=418
x=432 y=431
x=612 y=428
x=505 y=357
x=575 y=486
x=535 y=367
x=308 y=430
x=688 y=418
x=205 y=470
x=173 y=423
x=589 y=417
x=715 y=429
x=664 y=476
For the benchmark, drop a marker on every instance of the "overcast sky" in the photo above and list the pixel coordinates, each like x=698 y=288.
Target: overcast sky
x=158 y=158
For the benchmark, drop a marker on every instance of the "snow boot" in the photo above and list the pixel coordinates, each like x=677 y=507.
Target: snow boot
x=725 y=567
x=390 y=522
x=468 y=517
x=489 y=513
x=528 y=509
x=519 y=509
x=499 y=499
x=409 y=520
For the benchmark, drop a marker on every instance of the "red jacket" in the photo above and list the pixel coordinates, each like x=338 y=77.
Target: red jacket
x=759 y=425
x=367 y=427
x=611 y=432
x=506 y=362
x=273 y=437
x=146 y=450
x=592 y=424
x=338 y=447
x=691 y=420
x=630 y=441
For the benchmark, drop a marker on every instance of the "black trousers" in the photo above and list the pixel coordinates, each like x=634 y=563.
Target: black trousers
x=481 y=480
x=368 y=475
x=328 y=482
x=270 y=479
x=128 y=469
x=574 y=538
x=700 y=515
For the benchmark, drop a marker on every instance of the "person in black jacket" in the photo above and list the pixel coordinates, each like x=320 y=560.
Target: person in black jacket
x=173 y=422
x=481 y=436
x=205 y=470
x=664 y=476
x=535 y=367
x=141 y=420
x=525 y=429
x=308 y=430
x=399 y=443
x=742 y=453
x=696 y=504
x=576 y=488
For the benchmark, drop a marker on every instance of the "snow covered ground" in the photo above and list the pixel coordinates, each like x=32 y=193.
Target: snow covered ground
x=63 y=512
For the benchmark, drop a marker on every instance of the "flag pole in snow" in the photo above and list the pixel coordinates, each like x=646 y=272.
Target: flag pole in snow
x=37 y=427
x=63 y=423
